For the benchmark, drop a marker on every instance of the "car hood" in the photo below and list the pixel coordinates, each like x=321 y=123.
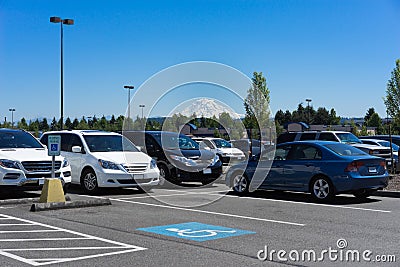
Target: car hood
x=27 y=154
x=232 y=150
x=123 y=157
x=371 y=147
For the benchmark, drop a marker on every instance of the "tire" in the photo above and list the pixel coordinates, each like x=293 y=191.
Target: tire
x=321 y=189
x=240 y=184
x=89 y=181
x=164 y=172
x=66 y=188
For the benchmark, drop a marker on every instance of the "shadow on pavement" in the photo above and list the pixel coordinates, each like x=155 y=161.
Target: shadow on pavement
x=304 y=197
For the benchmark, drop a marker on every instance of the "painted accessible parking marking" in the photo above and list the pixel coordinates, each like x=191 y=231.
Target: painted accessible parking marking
x=195 y=231
x=57 y=239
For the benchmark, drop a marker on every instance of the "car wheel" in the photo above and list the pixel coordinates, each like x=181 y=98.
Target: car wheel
x=363 y=193
x=240 y=184
x=164 y=172
x=321 y=188
x=66 y=187
x=89 y=181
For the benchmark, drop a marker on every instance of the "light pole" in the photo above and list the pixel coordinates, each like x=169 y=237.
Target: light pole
x=308 y=107
x=129 y=87
x=142 y=106
x=12 y=116
x=66 y=22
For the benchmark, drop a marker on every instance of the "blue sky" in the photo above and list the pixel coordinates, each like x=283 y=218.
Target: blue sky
x=339 y=53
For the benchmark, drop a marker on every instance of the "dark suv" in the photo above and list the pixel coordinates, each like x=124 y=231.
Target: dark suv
x=178 y=157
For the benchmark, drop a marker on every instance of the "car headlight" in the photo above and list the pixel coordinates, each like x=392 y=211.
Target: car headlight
x=108 y=165
x=6 y=163
x=153 y=164
x=65 y=163
x=215 y=160
x=184 y=160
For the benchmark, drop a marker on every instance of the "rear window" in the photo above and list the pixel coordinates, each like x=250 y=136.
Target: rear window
x=345 y=150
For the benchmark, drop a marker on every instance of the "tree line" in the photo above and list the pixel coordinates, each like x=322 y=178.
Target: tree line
x=257 y=115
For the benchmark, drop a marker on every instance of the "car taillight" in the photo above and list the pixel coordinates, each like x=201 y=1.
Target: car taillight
x=354 y=166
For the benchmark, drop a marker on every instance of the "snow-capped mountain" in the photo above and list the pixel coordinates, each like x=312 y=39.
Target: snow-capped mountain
x=207 y=108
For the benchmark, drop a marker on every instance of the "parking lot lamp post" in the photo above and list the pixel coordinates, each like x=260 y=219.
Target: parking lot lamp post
x=129 y=87
x=12 y=116
x=308 y=107
x=66 y=22
x=142 y=106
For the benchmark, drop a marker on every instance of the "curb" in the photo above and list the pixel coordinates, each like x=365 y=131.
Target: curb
x=24 y=200
x=70 y=204
x=395 y=194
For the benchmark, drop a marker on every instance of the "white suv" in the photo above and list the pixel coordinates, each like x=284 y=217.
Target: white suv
x=222 y=148
x=25 y=163
x=105 y=159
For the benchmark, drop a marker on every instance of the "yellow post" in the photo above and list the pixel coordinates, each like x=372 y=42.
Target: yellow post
x=52 y=191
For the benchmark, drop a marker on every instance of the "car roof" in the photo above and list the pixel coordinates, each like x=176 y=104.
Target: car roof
x=84 y=132
x=8 y=130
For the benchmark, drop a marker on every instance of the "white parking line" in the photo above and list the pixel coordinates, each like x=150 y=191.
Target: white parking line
x=205 y=211
x=8 y=252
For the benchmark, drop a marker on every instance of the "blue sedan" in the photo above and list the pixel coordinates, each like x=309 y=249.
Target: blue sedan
x=321 y=168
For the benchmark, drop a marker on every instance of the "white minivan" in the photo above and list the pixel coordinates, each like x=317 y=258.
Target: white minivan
x=105 y=159
x=25 y=163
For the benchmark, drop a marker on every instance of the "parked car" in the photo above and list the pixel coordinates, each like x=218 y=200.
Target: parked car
x=321 y=168
x=250 y=147
x=226 y=152
x=105 y=159
x=179 y=158
x=337 y=136
x=25 y=163
x=395 y=149
x=395 y=138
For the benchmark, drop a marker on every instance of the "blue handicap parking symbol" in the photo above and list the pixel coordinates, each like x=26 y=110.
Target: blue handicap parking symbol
x=54 y=147
x=195 y=231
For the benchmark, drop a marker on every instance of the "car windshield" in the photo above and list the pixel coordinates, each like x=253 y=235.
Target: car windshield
x=348 y=138
x=109 y=143
x=221 y=143
x=387 y=144
x=176 y=141
x=345 y=150
x=18 y=139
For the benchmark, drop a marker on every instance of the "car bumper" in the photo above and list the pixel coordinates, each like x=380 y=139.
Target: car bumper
x=20 y=179
x=355 y=184
x=208 y=174
x=121 y=179
x=232 y=158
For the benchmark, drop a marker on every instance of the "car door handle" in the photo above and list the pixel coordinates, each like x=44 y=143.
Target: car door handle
x=309 y=165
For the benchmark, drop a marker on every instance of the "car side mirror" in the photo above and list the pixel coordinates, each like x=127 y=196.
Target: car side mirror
x=76 y=149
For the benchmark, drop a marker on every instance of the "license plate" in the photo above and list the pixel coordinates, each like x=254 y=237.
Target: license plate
x=207 y=171
x=372 y=170
x=389 y=163
x=137 y=176
x=239 y=158
x=41 y=181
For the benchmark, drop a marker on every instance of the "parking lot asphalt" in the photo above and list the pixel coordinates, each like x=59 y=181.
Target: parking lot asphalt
x=202 y=226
